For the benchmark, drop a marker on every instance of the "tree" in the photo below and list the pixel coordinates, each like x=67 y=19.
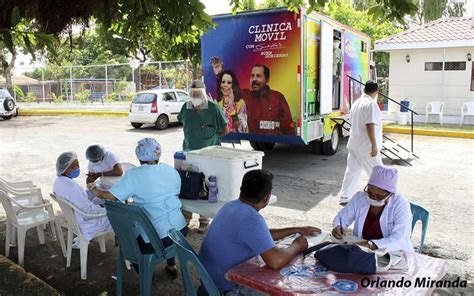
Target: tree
x=135 y=20
x=384 y=9
x=377 y=29
x=430 y=10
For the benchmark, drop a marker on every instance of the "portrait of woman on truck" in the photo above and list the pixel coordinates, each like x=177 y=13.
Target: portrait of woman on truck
x=229 y=97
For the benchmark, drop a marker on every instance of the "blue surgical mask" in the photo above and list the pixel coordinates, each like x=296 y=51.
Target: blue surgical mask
x=75 y=173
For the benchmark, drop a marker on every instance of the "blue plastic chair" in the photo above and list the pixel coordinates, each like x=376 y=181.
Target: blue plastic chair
x=419 y=213
x=122 y=218
x=187 y=254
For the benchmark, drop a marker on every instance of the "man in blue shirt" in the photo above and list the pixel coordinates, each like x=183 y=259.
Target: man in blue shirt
x=239 y=233
x=155 y=187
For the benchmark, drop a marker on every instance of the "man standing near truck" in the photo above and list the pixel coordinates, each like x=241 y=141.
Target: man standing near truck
x=365 y=140
x=203 y=123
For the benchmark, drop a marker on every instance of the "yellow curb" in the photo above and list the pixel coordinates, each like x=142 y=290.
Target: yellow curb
x=71 y=112
x=423 y=132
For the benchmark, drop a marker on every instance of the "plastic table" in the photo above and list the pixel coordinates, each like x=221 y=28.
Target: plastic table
x=201 y=207
x=315 y=279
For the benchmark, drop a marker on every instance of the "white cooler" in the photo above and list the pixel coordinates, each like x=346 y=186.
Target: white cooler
x=228 y=165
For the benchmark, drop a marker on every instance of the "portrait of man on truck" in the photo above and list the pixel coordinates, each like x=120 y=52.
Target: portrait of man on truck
x=268 y=110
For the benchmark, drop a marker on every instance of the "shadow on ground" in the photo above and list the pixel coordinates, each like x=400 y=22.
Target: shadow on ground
x=47 y=262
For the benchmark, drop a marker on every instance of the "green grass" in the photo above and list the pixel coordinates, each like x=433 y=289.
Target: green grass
x=436 y=127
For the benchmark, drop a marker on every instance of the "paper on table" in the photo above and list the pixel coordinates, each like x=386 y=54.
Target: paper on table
x=313 y=240
x=350 y=239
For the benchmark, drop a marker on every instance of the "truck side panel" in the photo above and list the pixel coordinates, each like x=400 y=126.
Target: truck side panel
x=270 y=38
x=356 y=64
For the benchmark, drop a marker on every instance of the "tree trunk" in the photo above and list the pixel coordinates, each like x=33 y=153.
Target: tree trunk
x=7 y=68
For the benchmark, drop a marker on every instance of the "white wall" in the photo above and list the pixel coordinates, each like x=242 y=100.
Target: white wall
x=410 y=80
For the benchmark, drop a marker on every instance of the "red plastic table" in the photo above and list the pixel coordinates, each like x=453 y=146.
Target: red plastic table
x=256 y=275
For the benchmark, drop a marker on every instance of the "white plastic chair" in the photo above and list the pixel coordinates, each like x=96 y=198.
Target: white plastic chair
x=23 y=215
x=18 y=184
x=434 y=108
x=467 y=109
x=27 y=197
x=73 y=227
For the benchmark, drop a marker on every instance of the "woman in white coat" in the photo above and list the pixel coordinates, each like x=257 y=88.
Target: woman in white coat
x=67 y=169
x=381 y=216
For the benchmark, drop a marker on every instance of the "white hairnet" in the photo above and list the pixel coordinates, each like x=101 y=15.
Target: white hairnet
x=64 y=161
x=197 y=96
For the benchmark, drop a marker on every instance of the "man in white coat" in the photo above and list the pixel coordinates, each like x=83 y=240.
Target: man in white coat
x=365 y=140
x=381 y=216
x=67 y=169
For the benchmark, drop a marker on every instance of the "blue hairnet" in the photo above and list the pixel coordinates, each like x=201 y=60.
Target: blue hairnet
x=64 y=161
x=95 y=152
x=148 y=149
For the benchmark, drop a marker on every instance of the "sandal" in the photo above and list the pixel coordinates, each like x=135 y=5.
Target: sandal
x=172 y=271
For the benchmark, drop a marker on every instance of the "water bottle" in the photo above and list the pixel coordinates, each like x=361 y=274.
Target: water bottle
x=212 y=189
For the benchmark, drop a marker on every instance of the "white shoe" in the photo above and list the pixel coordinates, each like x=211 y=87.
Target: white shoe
x=76 y=245
x=343 y=200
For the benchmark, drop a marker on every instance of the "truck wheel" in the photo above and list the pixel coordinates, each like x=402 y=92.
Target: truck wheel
x=162 y=122
x=8 y=104
x=315 y=146
x=330 y=147
x=255 y=145
x=262 y=146
x=137 y=125
x=267 y=146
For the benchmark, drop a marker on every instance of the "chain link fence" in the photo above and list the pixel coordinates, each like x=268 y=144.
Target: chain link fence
x=108 y=83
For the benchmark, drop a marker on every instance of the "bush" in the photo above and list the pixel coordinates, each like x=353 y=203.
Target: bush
x=30 y=98
x=20 y=96
x=57 y=99
x=83 y=96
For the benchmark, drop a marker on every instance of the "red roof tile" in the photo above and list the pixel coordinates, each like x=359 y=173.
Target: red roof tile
x=447 y=29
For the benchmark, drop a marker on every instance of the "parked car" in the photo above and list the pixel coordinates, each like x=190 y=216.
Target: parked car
x=8 y=106
x=157 y=106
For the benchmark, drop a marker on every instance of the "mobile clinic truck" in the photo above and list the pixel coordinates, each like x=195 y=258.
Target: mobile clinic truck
x=273 y=72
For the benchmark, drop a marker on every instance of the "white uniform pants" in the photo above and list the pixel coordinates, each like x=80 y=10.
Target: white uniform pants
x=356 y=162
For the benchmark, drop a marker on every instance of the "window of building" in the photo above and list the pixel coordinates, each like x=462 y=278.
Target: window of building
x=472 y=77
x=455 y=66
x=433 y=66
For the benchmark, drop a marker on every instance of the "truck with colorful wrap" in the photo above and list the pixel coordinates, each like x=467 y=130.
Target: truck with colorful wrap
x=284 y=77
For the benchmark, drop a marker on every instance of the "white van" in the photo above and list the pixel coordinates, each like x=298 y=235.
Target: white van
x=8 y=106
x=157 y=106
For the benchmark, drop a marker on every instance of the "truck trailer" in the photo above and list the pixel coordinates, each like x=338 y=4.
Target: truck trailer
x=284 y=77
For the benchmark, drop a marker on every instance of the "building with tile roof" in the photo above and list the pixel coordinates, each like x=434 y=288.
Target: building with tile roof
x=432 y=62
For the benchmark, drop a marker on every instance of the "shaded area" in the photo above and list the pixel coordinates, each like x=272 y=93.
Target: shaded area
x=47 y=263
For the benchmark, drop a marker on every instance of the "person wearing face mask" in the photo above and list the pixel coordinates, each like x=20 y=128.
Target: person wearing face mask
x=381 y=216
x=102 y=163
x=67 y=169
x=203 y=123
x=365 y=140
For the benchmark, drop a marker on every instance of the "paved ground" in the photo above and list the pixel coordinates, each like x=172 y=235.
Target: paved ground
x=306 y=185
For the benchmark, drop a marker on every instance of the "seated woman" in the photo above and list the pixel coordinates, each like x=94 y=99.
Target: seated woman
x=154 y=186
x=380 y=215
x=229 y=98
x=67 y=169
